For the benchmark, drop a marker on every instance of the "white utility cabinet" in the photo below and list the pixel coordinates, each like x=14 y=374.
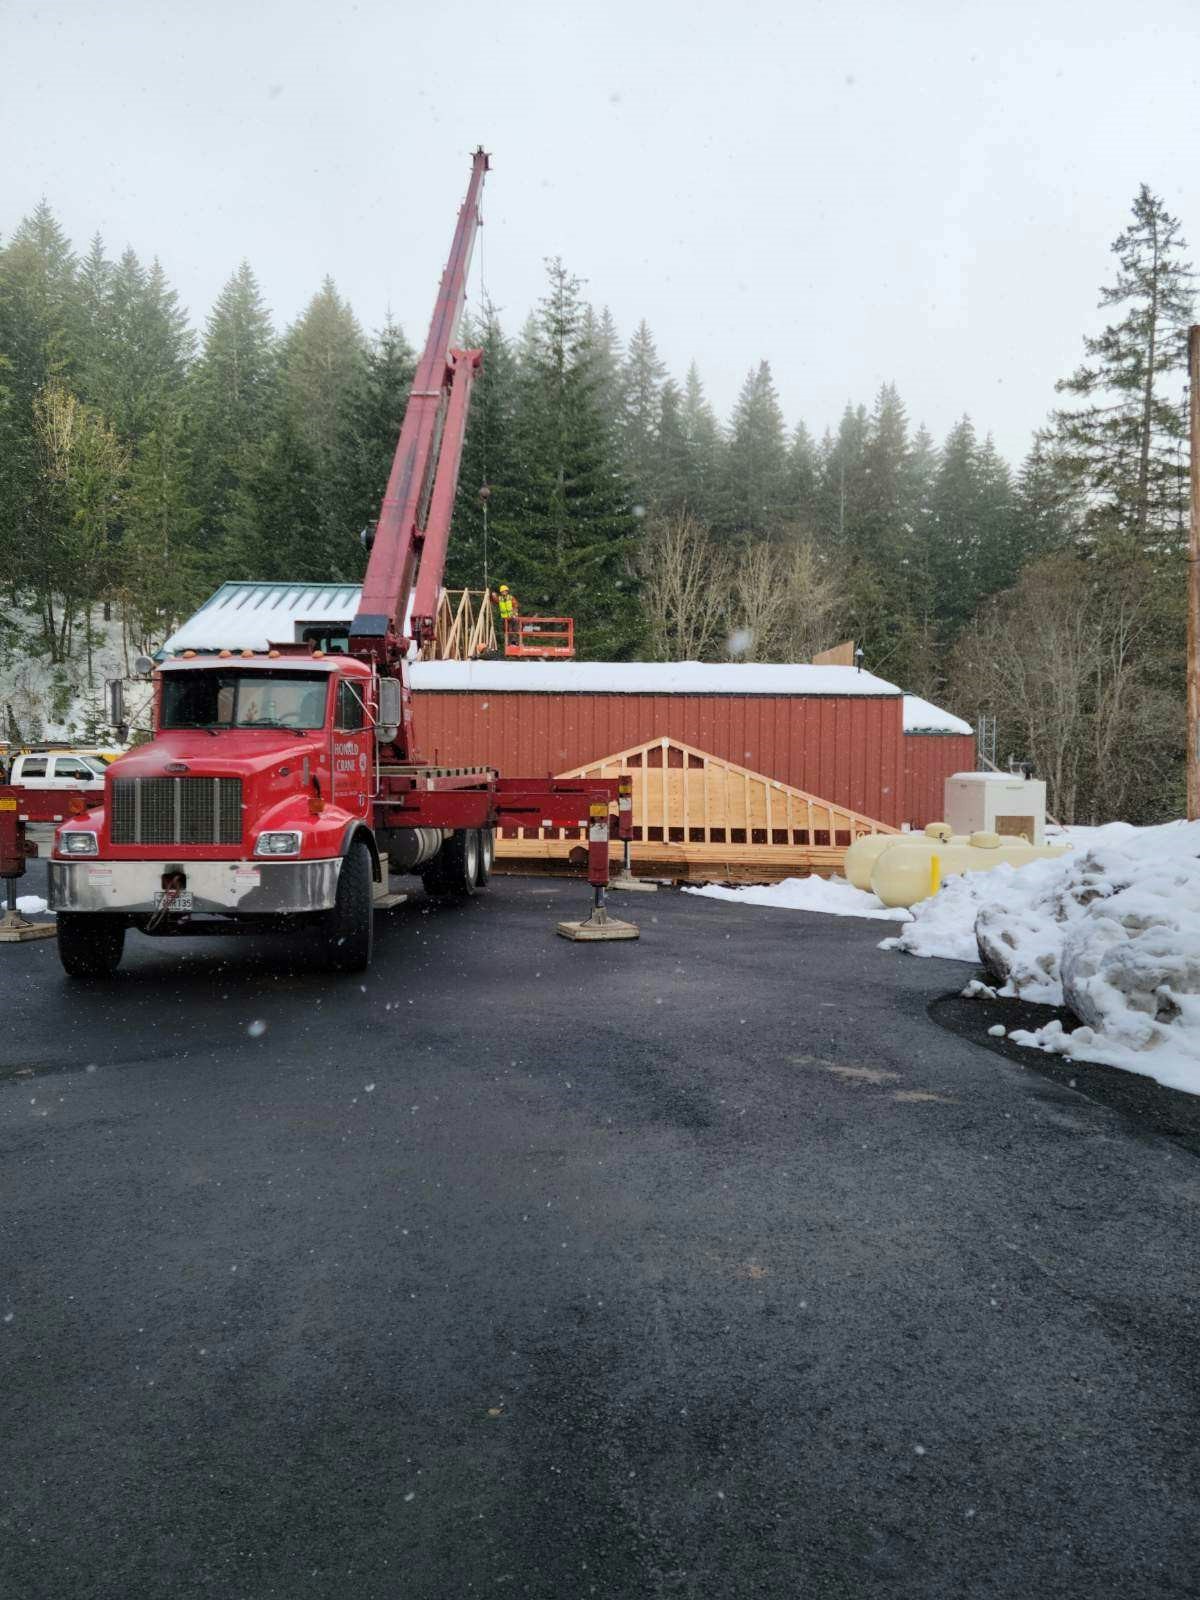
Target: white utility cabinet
x=996 y=802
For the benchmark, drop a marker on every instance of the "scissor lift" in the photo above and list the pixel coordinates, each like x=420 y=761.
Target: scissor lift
x=539 y=638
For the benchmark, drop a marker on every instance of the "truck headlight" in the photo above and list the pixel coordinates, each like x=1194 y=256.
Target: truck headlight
x=78 y=844
x=278 y=844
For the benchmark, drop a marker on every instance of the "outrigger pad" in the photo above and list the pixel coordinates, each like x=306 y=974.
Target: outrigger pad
x=14 y=928
x=599 y=926
x=631 y=883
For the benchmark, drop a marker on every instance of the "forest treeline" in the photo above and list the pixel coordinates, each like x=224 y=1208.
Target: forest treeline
x=143 y=461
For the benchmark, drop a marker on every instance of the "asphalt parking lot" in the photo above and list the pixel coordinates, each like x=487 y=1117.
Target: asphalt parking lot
x=705 y=1265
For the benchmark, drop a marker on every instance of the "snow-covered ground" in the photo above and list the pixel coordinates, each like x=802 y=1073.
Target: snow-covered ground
x=1112 y=931
x=834 y=896
x=51 y=700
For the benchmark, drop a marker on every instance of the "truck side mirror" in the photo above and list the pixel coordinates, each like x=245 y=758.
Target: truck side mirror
x=388 y=724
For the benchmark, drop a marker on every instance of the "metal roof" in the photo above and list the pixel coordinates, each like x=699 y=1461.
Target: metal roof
x=251 y=616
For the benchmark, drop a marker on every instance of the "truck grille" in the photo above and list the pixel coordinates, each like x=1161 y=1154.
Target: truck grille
x=176 y=811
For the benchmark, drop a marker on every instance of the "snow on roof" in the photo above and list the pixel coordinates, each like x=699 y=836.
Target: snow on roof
x=250 y=616
x=644 y=677
x=920 y=716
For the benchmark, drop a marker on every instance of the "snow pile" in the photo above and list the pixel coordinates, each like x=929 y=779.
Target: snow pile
x=29 y=905
x=1112 y=931
x=944 y=925
x=834 y=896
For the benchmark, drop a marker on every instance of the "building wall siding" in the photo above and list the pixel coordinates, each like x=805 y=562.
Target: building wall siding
x=929 y=759
x=849 y=749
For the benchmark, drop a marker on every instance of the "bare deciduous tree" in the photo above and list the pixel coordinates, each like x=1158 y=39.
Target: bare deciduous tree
x=685 y=589
x=760 y=600
x=1062 y=661
x=786 y=601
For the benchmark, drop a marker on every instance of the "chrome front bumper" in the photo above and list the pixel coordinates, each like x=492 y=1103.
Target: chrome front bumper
x=217 y=887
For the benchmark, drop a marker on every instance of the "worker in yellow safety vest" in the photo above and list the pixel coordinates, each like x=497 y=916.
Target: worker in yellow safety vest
x=508 y=604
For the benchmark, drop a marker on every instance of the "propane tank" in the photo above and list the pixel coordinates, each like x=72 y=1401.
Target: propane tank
x=915 y=871
x=861 y=857
x=865 y=852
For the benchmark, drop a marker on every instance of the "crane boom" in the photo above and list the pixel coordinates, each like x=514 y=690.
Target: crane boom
x=409 y=550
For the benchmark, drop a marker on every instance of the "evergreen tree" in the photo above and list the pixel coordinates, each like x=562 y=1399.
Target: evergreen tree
x=38 y=307
x=276 y=523
x=324 y=370
x=160 y=575
x=803 y=470
x=38 y=316
x=489 y=477
x=371 y=424
x=1046 y=509
x=1124 y=444
x=641 y=386
x=672 y=460
x=702 y=436
x=323 y=391
x=970 y=526
x=233 y=398
x=882 y=527
x=756 y=462
x=920 y=470
x=565 y=536
x=93 y=286
x=138 y=343
x=841 y=488
x=602 y=339
x=998 y=558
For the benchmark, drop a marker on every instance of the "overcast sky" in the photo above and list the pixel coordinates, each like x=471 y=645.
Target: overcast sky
x=922 y=191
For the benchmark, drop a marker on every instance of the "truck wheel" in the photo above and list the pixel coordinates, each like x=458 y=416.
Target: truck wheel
x=90 y=943
x=487 y=854
x=350 y=926
x=454 y=871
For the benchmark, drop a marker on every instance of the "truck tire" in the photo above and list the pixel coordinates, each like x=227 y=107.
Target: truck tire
x=350 y=926
x=90 y=943
x=487 y=854
x=453 y=874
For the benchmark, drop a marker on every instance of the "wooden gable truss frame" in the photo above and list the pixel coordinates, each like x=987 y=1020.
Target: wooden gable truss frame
x=698 y=817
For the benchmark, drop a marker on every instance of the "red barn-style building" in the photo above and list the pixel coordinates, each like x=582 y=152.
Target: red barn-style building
x=851 y=738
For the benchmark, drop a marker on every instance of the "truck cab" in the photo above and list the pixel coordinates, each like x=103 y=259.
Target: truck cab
x=244 y=806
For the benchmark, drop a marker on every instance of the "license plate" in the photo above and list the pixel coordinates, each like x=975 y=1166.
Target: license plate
x=164 y=900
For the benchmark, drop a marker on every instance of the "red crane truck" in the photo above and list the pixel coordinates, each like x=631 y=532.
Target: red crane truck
x=282 y=784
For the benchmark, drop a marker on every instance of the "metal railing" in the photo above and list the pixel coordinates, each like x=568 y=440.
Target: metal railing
x=533 y=637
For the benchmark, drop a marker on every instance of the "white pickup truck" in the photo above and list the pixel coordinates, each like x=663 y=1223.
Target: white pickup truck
x=58 y=770
x=47 y=775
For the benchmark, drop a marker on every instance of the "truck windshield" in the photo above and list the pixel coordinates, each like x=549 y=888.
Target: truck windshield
x=231 y=699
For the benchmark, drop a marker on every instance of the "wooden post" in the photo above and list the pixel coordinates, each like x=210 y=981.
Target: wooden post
x=1193 y=638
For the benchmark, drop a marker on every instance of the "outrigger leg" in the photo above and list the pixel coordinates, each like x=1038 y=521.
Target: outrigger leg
x=599 y=925
x=624 y=878
x=14 y=928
